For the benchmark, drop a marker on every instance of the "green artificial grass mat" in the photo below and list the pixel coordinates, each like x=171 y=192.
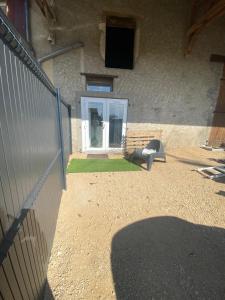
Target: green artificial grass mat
x=101 y=165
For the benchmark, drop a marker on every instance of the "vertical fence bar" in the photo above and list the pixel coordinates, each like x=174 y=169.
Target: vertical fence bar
x=60 y=132
x=70 y=129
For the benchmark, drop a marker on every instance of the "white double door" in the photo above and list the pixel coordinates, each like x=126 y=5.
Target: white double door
x=103 y=123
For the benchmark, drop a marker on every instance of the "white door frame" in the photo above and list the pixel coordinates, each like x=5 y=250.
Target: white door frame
x=85 y=122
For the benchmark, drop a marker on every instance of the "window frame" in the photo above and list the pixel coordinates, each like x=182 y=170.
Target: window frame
x=99 y=80
x=113 y=23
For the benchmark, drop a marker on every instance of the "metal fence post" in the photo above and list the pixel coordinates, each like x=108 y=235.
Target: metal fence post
x=60 y=132
x=70 y=129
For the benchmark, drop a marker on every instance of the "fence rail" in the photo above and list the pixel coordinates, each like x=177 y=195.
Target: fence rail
x=35 y=141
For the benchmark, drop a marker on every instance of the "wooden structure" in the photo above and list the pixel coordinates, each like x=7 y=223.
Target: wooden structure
x=203 y=13
x=139 y=139
x=217 y=134
x=212 y=172
x=47 y=8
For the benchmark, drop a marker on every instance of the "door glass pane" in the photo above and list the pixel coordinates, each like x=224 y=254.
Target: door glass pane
x=116 y=111
x=95 y=114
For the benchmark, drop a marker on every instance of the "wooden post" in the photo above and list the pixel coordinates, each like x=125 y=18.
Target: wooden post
x=217 y=134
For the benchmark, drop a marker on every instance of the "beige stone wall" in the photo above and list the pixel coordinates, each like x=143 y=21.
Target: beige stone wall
x=165 y=89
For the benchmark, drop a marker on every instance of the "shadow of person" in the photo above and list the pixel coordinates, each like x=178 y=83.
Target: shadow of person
x=168 y=258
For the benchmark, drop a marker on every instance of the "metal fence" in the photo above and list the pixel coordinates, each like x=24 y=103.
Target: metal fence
x=35 y=143
x=66 y=131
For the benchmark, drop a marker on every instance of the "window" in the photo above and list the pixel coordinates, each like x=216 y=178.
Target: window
x=119 y=50
x=99 y=83
x=98 y=87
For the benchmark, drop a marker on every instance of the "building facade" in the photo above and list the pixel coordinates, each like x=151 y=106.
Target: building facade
x=161 y=89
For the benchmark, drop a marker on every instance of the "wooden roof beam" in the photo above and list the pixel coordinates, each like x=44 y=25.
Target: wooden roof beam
x=216 y=9
x=46 y=9
x=217 y=58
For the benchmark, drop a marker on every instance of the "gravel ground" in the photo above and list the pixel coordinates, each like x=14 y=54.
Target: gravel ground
x=142 y=235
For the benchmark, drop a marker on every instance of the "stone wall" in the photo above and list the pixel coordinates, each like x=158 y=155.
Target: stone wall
x=165 y=89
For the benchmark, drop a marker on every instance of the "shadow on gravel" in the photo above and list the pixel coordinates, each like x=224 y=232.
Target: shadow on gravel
x=191 y=162
x=221 y=193
x=48 y=293
x=168 y=258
